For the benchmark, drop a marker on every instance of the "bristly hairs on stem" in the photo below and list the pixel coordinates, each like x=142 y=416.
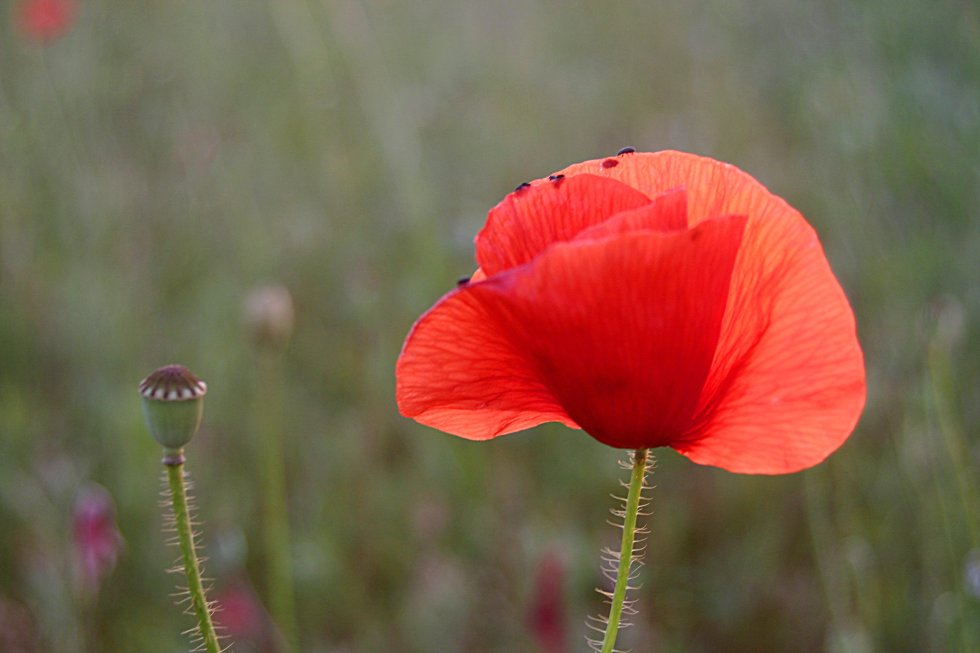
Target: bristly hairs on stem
x=183 y=598
x=622 y=576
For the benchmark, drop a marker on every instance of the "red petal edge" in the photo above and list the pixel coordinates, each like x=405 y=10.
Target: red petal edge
x=460 y=374
x=534 y=217
x=667 y=212
x=788 y=381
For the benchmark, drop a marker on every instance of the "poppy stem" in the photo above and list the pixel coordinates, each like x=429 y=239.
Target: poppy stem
x=188 y=552
x=628 y=555
x=275 y=522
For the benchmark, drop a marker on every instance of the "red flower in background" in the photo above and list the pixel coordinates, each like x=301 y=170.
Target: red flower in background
x=239 y=613
x=97 y=541
x=546 y=616
x=652 y=300
x=45 y=19
x=240 y=616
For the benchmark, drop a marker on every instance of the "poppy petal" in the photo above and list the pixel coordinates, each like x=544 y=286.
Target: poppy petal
x=713 y=188
x=667 y=212
x=546 y=212
x=788 y=383
x=622 y=330
x=460 y=374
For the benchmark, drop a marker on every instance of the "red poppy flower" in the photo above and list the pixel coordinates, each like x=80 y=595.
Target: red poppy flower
x=546 y=616
x=45 y=19
x=97 y=541
x=660 y=299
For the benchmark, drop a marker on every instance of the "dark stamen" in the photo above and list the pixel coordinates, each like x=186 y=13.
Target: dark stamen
x=462 y=281
x=522 y=187
x=626 y=150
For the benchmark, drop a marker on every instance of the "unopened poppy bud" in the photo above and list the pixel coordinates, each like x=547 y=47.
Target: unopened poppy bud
x=269 y=316
x=173 y=404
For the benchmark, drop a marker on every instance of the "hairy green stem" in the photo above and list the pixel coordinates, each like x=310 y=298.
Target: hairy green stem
x=188 y=552
x=626 y=549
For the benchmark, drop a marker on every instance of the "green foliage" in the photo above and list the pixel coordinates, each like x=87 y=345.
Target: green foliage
x=161 y=159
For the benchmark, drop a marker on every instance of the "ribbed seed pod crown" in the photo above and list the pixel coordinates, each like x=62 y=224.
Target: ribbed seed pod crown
x=173 y=404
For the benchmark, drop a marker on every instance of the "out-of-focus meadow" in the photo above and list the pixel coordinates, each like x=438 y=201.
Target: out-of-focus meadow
x=158 y=161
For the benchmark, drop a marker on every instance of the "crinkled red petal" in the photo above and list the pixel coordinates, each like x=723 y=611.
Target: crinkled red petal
x=787 y=384
x=459 y=372
x=534 y=217
x=713 y=188
x=621 y=330
x=667 y=212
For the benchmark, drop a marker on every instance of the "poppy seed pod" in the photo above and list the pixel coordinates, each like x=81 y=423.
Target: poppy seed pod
x=173 y=404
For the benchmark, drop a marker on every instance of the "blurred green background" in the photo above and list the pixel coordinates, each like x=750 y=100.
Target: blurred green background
x=160 y=160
